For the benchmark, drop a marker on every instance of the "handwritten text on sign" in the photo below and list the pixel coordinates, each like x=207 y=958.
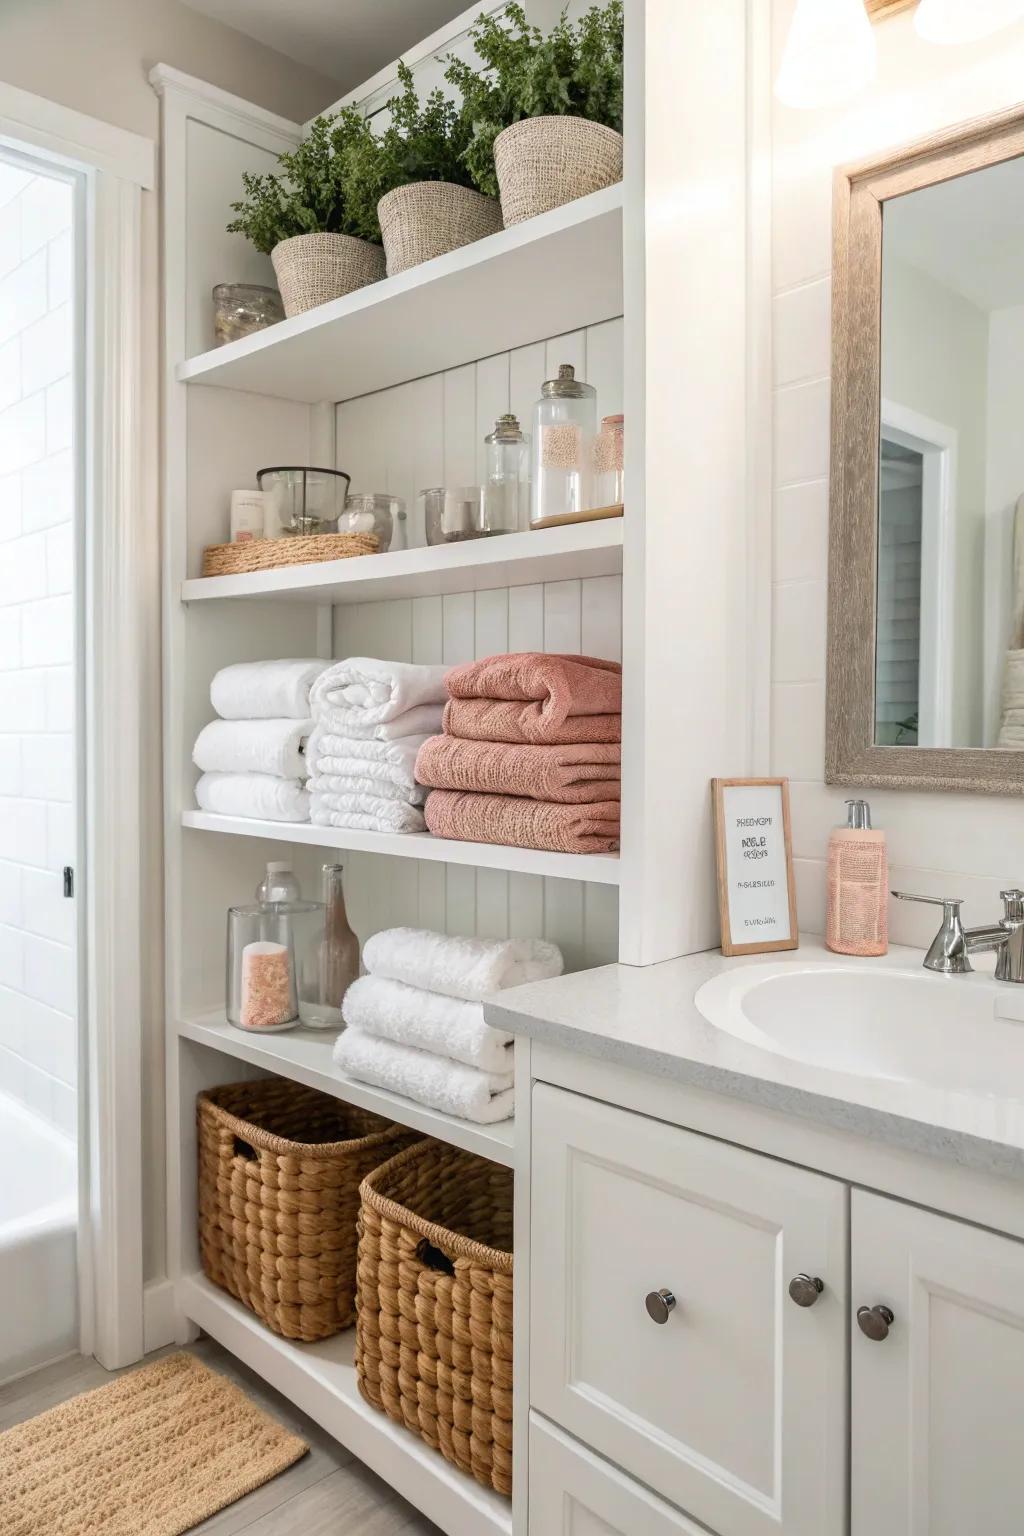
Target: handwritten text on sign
x=755 y=862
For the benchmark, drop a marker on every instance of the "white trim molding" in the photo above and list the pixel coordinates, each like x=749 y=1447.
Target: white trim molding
x=72 y=139
x=223 y=110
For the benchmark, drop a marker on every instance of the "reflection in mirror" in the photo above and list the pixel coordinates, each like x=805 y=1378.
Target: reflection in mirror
x=949 y=655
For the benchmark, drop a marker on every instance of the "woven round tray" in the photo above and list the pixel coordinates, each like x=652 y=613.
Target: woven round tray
x=271 y=554
x=434 y=1304
x=543 y=162
x=279 y=1173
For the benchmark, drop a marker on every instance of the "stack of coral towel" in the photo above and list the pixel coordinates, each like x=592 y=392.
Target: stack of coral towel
x=530 y=754
x=416 y=1024
x=253 y=758
x=371 y=717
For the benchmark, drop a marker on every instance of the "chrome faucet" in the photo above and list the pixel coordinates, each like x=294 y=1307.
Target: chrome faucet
x=953 y=945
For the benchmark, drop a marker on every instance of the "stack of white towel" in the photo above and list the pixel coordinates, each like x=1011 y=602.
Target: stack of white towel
x=254 y=757
x=371 y=718
x=415 y=1023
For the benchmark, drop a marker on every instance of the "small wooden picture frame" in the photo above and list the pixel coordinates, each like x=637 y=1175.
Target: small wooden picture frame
x=754 y=852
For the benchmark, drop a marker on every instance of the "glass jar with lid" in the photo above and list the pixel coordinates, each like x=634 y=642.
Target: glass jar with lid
x=371 y=512
x=505 y=493
x=564 y=427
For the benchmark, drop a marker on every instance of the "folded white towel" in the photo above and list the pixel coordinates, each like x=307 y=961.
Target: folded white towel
x=346 y=757
x=446 y=1085
x=459 y=967
x=260 y=795
x=445 y=1026
x=421 y=720
x=365 y=784
x=366 y=813
x=265 y=690
x=253 y=746
x=361 y=692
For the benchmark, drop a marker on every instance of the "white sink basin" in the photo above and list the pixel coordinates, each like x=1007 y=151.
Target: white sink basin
x=902 y=1025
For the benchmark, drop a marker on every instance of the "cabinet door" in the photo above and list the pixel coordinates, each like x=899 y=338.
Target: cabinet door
x=938 y=1403
x=734 y=1407
x=575 y=1493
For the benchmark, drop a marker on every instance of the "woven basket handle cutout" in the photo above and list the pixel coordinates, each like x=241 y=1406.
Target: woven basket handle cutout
x=243 y=1149
x=433 y=1258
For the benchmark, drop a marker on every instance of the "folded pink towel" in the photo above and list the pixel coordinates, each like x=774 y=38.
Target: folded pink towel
x=520 y=823
x=532 y=697
x=573 y=775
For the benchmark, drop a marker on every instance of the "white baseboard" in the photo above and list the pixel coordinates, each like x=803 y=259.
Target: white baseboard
x=158 y=1322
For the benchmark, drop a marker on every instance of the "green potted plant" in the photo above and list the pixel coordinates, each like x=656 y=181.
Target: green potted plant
x=322 y=243
x=544 y=112
x=415 y=180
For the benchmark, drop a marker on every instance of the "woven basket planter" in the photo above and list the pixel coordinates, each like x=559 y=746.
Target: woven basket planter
x=279 y=1173
x=543 y=162
x=428 y=218
x=434 y=1304
x=271 y=554
x=312 y=269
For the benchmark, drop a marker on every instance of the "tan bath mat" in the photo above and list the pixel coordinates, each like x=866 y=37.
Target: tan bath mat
x=152 y=1454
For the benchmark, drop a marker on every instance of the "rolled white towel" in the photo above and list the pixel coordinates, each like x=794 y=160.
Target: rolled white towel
x=456 y=966
x=365 y=813
x=265 y=690
x=365 y=784
x=449 y=1086
x=253 y=746
x=445 y=1026
x=259 y=795
x=362 y=692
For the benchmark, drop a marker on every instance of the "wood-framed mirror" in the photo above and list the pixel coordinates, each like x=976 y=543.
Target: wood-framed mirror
x=925 y=677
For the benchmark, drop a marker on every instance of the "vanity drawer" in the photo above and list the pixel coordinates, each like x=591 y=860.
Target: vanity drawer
x=575 y=1493
x=733 y=1407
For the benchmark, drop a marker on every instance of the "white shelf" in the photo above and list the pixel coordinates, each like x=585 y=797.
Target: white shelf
x=599 y=868
x=304 y=1056
x=544 y=277
x=513 y=560
x=320 y=1379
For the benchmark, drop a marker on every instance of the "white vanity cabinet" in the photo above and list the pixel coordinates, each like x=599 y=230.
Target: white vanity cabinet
x=729 y=1401
x=575 y=1493
x=938 y=1402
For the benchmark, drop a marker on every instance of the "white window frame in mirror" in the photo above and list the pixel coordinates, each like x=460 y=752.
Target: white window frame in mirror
x=860 y=191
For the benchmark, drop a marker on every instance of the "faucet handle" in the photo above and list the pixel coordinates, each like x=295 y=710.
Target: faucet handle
x=948 y=951
x=951 y=904
x=1013 y=905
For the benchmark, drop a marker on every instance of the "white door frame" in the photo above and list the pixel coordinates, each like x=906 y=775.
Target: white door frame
x=112 y=168
x=937 y=445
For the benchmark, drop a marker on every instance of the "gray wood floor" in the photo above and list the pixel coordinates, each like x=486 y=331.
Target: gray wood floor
x=327 y=1493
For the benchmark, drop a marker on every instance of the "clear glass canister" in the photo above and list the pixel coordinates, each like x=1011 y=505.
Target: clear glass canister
x=371 y=512
x=261 y=990
x=609 y=458
x=303 y=501
x=505 y=494
x=241 y=308
x=564 y=427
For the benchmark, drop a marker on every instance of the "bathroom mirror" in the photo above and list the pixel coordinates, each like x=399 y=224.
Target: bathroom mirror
x=926 y=540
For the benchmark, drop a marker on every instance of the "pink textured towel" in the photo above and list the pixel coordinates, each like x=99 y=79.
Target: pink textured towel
x=573 y=775
x=532 y=697
x=519 y=823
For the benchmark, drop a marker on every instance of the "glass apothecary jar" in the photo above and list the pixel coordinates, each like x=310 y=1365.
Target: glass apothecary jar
x=564 y=427
x=609 y=458
x=239 y=309
x=372 y=512
x=260 y=981
x=451 y=516
x=303 y=501
x=505 y=493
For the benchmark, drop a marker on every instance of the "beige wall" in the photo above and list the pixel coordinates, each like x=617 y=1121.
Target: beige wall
x=95 y=56
x=942 y=844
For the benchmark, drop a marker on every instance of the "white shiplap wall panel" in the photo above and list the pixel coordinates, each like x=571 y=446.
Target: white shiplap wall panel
x=431 y=432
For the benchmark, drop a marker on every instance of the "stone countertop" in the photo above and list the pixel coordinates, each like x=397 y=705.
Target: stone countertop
x=645 y=1018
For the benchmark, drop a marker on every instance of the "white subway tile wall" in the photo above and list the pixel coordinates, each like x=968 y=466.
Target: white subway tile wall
x=939 y=844
x=38 y=1035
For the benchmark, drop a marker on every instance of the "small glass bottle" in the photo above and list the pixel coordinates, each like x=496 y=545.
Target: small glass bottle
x=339 y=955
x=278 y=884
x=609 y=458
x=564 y=427
x=505 y=494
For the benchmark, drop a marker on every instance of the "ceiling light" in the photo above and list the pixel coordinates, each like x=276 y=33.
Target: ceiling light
x=829 y=54
x=965 y=21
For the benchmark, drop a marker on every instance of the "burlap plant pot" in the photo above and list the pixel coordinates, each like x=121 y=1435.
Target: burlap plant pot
x=543 y=162
x=312 y=269
x=428 y=218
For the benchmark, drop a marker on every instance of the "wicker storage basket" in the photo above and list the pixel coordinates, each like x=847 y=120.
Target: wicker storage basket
x=312 y=269
x=543 y=162
x=428 y=218
x=271 y=554
x=279 y=1173
x=434 y=1304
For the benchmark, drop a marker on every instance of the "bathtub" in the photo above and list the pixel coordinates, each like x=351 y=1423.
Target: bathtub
x=38 y=1218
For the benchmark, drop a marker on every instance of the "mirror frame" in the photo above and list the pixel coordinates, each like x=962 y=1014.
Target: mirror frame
x=851 y=755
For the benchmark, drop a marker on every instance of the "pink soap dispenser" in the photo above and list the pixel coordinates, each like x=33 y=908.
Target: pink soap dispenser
x=857 y=920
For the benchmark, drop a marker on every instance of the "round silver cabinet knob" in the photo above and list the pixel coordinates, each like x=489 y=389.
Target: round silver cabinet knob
x=875 y=1322
x=805 y=1289
x=659 y=1304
